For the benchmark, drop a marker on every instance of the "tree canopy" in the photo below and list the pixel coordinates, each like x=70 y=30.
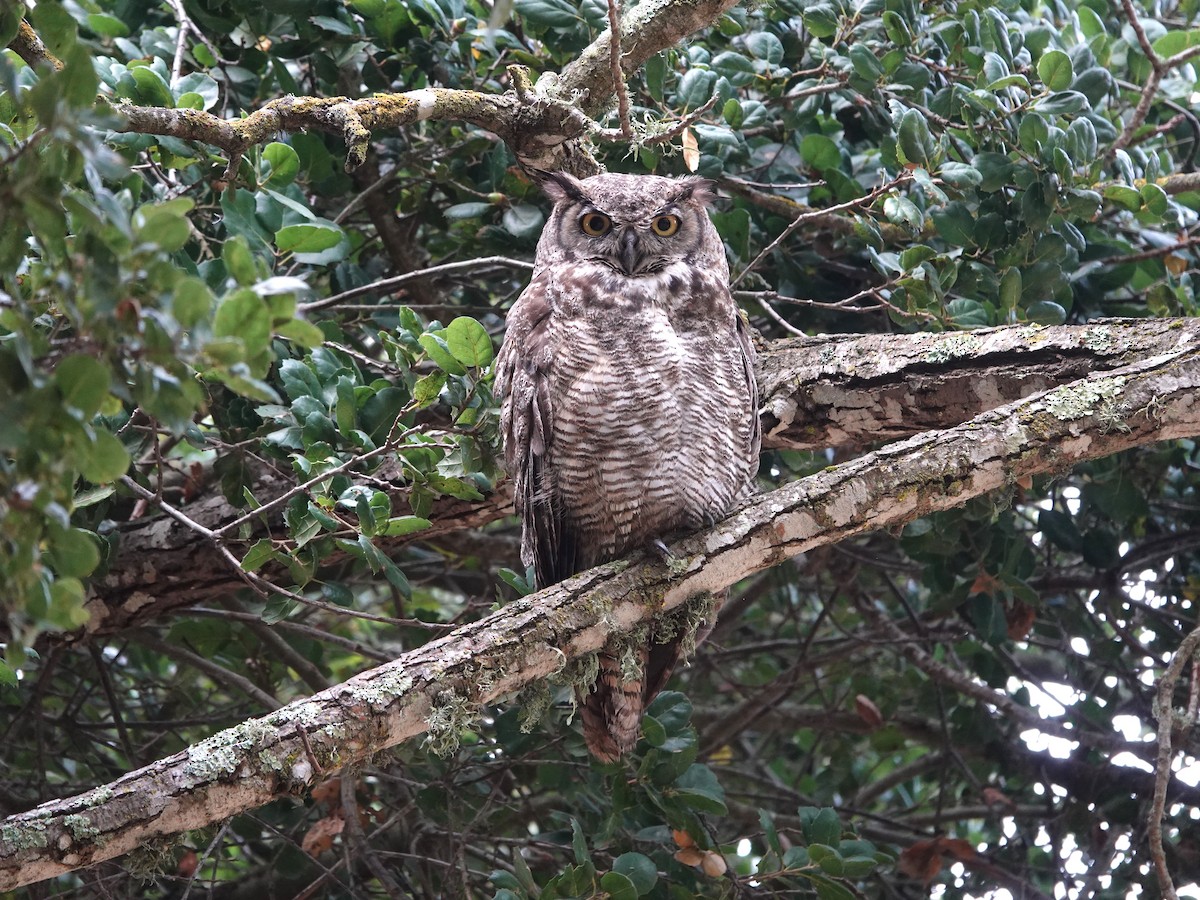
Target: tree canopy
x=265 y=628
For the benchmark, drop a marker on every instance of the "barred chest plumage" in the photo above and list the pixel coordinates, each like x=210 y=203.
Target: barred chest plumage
x=650 y=425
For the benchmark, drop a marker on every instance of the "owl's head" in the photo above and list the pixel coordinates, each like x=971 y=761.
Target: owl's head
x=633 y=224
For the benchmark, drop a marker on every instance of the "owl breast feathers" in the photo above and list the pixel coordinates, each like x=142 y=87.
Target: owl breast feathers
x=629 y=405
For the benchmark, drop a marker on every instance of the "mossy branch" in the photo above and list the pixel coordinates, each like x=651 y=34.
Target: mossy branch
x=288 y=750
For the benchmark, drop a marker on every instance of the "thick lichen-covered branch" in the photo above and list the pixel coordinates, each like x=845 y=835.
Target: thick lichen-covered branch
x=529 y=127
x=287 y=751
x=845 y=391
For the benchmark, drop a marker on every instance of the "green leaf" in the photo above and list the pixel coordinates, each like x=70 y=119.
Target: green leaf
x=1010 y=288
x=1124 y=196
x=1060 y=529
x=83 y=383
x=698 y=788
x=75 y=553
x=955 y=224
x=1063 y=103
x=731 y=112
x=653 y=731
x=1156 y=199
x=435 y=345
x=903 y=211
x=866 y=64
x=995 y=170
x=765 y=46
x=1055 y=71
x=823 y=827
x=550 y=13
x=402 y=525
x=960 y=175
x=821 y=20
x=105 y=460
x=1046 y=312
x=310 y=237
x=244 y=315
x=820 y=152
x=66 y=604
x=151 y=89
x=239 y=261
x=695 y=87
x=306 y=334
x=640 y=870
x=914 y=142
x=1176 y=42
x=469 y=342
x=617 y=886
x=579 y=843
x=523 y=221
x=284 y=162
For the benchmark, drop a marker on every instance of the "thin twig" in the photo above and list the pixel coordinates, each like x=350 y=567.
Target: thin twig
x=1168 y=721
x=219 y=674
x=389 y=283
x=618 y=77
x=816 y=214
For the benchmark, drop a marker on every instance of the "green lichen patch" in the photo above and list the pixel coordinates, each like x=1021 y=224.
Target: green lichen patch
x=385 y=687
x=534 y=701
x=1098 y=338
x=1073 y=401
x=227 y=751
x=953 y=347
x=450 y=717
x=630 y=652
x=29 y=835
x=81 y=828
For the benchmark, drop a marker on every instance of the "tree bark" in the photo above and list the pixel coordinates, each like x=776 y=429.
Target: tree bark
x=441 y=685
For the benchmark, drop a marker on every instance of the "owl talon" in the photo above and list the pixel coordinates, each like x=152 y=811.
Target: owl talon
x=677 y=565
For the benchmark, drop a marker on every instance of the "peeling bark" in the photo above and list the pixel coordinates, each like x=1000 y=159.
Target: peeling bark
x=288 y=750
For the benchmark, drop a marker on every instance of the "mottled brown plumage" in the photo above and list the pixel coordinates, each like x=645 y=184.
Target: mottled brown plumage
x=629 y=407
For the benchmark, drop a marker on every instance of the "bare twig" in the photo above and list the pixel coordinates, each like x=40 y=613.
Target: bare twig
x=1158 y=68
x=614 y=54
x=808 y=215
x=386 y=284
x=1168 y=722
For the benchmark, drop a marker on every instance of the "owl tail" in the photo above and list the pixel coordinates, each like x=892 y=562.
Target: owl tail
x=612 y=710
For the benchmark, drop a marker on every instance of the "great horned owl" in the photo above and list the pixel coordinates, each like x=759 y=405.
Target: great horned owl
x=629 y=402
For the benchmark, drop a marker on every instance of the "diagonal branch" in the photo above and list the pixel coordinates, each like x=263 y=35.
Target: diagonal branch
x=286 y=751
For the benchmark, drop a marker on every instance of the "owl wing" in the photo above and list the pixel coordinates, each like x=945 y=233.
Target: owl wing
x=749 y=358
x=524 y=381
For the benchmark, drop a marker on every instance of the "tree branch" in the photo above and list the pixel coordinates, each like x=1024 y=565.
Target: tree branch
x=845 y=391
x=285 y=752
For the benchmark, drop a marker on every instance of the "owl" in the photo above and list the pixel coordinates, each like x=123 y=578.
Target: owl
x=629 y=409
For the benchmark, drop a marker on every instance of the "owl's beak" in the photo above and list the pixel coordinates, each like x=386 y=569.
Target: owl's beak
x=627 y=244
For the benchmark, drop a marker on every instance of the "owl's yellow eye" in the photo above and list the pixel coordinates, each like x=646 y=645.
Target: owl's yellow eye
x=595 y=224
x=665 y=226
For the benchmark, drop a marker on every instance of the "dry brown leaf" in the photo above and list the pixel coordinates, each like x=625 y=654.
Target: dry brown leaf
x=868 y=711
x=682 y=838
x=187 y=865
x=691 y=150
x=713 y=865
x=328 y=792
x=1020 y=618
x=320 y=836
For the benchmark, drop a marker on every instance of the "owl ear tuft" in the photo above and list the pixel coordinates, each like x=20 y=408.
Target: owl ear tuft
x=697 y=189
x=560 y=186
